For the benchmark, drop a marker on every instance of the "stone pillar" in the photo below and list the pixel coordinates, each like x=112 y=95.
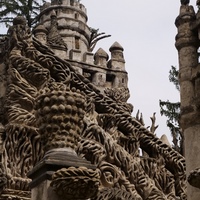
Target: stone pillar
x=61 y=174
x=187 y=45
x=88 y=58
x=75 y=54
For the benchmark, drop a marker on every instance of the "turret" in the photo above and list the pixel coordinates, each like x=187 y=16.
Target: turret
x=187 y=44
x=63 y=27
x=117 y=63
x=117 y=57
x=71 y=20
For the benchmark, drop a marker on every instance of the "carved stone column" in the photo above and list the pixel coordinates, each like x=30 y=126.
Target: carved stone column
x=187 y=44
x=60 y=113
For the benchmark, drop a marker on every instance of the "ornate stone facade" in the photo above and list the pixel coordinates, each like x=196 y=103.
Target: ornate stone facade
x=66 y=123
x=187 y=44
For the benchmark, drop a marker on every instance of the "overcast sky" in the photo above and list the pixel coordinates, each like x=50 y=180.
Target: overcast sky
x=147 y=32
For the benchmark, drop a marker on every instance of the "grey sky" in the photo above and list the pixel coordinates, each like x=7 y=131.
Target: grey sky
x=147 y=32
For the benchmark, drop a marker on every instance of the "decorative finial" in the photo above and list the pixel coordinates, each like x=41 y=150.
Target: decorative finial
x=185 y=2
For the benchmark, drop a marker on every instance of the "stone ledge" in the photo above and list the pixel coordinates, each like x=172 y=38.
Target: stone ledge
x=54 y=160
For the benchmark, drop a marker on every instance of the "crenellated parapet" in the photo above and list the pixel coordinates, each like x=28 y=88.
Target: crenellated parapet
x=63 y=27
x=75 y=3
x=70 y=16
x=68 y=8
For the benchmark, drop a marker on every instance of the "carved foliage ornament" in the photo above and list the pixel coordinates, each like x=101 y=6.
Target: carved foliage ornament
x=76 y=183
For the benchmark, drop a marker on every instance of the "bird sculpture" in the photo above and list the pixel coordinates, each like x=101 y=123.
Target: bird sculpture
x=185 y=2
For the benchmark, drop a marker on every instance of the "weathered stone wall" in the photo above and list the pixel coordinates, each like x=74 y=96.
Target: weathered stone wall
x=187 y=44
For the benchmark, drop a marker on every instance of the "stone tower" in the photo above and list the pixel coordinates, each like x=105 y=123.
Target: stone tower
x=66 y=129
x=187 y=44
x=72 y=39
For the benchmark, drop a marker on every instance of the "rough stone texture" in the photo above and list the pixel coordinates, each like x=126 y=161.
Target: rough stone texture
x=194 y=178
x=187 y=43
x=76 y=183
x=53 y=103
x=54 y=178
x=191 y=148
x=44 y=192
x=70 y=38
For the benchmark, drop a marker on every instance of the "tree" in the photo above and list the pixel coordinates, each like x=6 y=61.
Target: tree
x=9 y=9
x=172 y=112
x=95 y=37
